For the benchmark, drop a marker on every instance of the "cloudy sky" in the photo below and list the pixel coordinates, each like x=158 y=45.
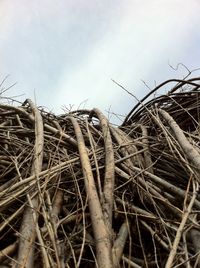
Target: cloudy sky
x=66 y=52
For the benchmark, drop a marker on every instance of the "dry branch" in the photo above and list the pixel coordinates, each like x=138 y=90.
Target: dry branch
x=101 y=234
x=77 y=191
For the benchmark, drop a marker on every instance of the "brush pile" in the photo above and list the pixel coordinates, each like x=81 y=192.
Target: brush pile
x=76 y=191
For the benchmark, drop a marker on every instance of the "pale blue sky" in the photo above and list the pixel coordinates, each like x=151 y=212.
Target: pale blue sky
x=68 y=51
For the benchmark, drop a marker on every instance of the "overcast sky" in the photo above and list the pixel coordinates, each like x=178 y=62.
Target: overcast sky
x=68 y=51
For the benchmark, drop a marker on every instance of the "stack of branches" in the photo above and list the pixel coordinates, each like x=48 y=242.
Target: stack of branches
x=76 y=191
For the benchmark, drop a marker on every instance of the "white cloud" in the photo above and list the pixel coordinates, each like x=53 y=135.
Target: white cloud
x=133 y=46
x=69 y=51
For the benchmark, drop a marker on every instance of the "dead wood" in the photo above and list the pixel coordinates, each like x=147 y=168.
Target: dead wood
x=77 y=191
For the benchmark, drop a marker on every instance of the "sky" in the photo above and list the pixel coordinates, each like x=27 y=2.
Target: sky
x=64 y=54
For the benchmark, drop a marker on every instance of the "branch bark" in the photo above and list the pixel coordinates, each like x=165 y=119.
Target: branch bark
x=28 y=227
x=100 y=229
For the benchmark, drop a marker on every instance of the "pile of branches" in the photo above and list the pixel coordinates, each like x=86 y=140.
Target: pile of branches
x=77 y=191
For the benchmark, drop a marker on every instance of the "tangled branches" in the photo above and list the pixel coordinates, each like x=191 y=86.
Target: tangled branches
x=75 y=191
